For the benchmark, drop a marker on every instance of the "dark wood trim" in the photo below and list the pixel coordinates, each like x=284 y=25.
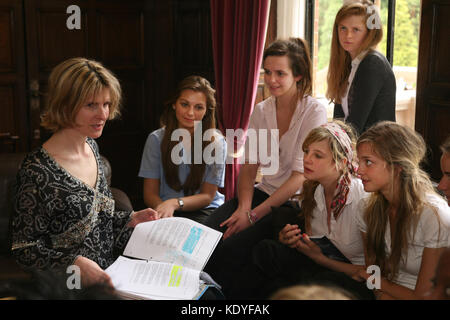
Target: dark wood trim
x=433 y=81
x=390 y=32
x=309 y=24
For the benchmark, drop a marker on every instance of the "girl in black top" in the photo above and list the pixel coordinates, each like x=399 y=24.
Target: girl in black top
x=360 y=79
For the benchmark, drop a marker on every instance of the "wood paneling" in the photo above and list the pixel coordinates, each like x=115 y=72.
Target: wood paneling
x=193 y=42
x=149 y=44
x=433 y=80
x=14 y=135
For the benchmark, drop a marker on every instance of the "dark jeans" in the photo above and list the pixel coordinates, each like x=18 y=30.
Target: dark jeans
x=275 y=266
x=232 y=254
x=251 y=265
x=200 y=216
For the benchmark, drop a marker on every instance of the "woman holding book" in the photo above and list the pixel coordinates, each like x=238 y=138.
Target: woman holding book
x=185 y=187
x=404 y=223
x=360 y=79
x=64 y=211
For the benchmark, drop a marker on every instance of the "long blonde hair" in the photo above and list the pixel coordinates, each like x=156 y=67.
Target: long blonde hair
x=404 y=149
x=309 y=186
x=340 y=61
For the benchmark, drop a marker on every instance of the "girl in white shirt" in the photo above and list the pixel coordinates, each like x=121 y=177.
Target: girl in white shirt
x=293 y=112
x=404 y=222
x=329 y=202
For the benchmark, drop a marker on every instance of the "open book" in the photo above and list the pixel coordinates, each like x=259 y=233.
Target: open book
x=163 y=260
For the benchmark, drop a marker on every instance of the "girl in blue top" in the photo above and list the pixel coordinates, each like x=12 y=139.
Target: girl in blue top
x=183 y=163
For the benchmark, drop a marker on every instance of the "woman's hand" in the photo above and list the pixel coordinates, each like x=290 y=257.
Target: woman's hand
x=91 y=273
x=142 y=216
x=361 y=274
x=309 y=248
x=167 y=208
x=237 y=222
x=290 y=235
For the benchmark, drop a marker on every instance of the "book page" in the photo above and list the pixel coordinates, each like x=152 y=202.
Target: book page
x=153 y=280
x=180 y=241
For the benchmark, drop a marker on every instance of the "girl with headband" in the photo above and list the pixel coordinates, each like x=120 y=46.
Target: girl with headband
x=329 y=202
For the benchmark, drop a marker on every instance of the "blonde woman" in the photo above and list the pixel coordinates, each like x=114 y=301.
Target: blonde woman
x=64 y=211
x=361 y=83
x=404 y=222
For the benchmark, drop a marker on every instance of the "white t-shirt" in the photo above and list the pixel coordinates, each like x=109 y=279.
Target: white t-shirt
x=429 y=234
x=344 y=232
x=309 y=114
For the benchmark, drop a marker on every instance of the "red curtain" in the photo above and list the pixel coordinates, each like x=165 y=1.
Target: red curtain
x=238 y=34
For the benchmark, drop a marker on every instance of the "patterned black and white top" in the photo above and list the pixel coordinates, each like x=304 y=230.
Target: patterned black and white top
x=58 y=217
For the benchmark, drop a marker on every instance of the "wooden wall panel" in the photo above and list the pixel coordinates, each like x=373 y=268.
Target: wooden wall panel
x=433 y=80
x=55 y=41
x=13 y=110
x=149 y=44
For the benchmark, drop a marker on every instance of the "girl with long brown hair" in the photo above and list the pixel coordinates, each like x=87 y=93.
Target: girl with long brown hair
x=290 y=111
x=360 y=80
x=186 y=187
x=404 y=222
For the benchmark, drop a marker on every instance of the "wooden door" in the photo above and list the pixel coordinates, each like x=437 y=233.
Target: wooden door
x=149 y=44
x=111 y=32
x=13 y=108
x=433 y=79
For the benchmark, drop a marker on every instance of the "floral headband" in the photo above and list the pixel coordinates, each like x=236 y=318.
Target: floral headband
x=345 y=142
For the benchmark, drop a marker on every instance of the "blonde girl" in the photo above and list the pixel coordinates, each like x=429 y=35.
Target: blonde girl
x=404 y=220
x=329 y=203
